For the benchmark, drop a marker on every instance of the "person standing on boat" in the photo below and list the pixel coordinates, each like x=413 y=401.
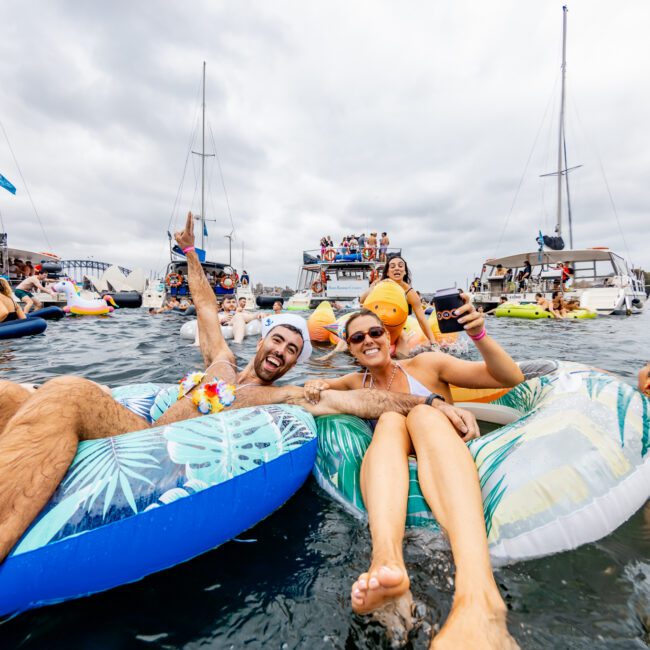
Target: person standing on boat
x=384 y=243
x=526 y=272
x=362 y=241
x=397 y=269
x=245 y=279
x=446 y=471
x=372 y=245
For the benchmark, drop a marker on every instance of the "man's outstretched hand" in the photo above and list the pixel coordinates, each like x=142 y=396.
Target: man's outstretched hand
x=185 y=238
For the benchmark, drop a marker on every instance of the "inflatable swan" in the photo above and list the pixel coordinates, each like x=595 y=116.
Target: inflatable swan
x=81 y=306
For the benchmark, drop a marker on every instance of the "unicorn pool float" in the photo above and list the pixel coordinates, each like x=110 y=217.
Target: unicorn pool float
x=82 y=306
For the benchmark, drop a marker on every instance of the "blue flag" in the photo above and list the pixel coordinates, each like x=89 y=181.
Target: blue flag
x=7 y=185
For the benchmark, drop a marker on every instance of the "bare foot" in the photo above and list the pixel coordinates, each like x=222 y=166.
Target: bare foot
x=382 y=584
x=475 y=625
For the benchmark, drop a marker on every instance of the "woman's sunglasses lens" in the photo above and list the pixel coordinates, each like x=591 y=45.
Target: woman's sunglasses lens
x=373 y=332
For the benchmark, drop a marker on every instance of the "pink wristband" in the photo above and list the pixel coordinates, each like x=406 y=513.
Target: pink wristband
x=189 y=249
x=477 y=337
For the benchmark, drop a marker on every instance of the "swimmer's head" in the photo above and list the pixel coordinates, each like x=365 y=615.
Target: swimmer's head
x=229 y=303
x=278 y=352
x=5 y=288
x=277 y=306
x=397 y=269
x=285 y=342
x=368 y=339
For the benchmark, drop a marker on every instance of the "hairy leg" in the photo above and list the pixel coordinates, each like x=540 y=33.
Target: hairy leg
x=12 y=397
x=238 y=324
x=384 y=485
x=449 y=483
x=40 y=441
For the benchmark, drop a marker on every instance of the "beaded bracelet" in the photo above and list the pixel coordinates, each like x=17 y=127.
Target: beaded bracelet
x=477 y=337
x=189 y=249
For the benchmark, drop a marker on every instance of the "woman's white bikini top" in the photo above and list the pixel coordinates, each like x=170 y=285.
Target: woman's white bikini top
x=415 y=387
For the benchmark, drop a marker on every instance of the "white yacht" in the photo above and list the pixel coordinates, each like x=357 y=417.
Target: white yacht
x=600 y=279
x=336 y=276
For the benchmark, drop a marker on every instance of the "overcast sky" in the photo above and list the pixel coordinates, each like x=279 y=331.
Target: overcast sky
x=329 y=117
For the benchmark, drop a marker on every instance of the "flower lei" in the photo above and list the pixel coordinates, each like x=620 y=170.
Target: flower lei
x=209 y=398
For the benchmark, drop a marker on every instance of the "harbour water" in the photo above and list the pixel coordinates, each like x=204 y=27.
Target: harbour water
x=285 y=583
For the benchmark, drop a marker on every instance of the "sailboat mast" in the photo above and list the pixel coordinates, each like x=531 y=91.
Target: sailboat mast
x=561 y=168
x=203 y=168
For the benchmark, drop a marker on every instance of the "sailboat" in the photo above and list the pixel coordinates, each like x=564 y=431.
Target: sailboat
x=222 y=276
x=602 y=280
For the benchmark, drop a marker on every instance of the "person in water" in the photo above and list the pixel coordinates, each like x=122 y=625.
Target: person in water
x=446 y=471
x=397 y=269
x=9 y=310
x=40 y=430
x=277 y=307
x=546 y=305
x=559 y=305
x=502 y=301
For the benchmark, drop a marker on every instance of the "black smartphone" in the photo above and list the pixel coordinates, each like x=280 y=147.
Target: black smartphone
x=446 y=301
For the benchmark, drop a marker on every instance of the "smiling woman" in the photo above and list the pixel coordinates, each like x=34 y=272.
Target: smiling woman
x=448 y=477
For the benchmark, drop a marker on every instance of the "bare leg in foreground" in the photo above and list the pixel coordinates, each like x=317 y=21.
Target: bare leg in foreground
x=39 y=442
x=387 y=456
x=449 y=483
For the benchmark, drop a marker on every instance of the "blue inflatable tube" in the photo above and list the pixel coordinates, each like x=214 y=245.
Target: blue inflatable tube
x=145 y=501
x=47 y=313
x=26 y=327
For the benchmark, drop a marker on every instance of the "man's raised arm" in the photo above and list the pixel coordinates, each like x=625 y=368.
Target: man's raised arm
x=207 y=313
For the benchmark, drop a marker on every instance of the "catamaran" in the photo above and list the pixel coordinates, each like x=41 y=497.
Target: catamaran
x=601 y=279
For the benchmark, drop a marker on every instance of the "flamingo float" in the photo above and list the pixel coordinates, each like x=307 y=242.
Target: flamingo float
x=80 y=306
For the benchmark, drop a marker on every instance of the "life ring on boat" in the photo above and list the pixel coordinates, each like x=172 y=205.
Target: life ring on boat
x=323 y=277
x=317 y=286
x=153 y=507
x=174 y=279
x=228 y=282
x=329 y=255
x=374 y=274
x=368 y=253
x=569 y=465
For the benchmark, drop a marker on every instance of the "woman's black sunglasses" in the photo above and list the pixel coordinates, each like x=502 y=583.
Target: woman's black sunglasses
x=374 y=333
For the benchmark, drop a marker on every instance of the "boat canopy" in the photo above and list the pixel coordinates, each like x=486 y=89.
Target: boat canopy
x=31 y=256
x=537 y=258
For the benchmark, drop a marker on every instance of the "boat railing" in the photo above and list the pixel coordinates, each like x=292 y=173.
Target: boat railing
x=342 y=254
